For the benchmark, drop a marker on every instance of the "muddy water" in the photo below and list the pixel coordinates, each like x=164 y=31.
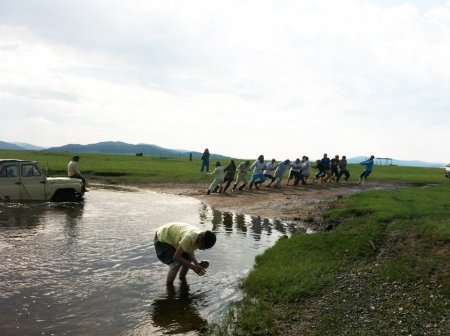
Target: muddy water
x=91 y=269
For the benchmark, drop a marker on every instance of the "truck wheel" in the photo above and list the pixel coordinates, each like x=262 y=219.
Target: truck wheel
x=64 y=196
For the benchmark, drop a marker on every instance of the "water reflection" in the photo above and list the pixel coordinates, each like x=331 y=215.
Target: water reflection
x=185 y=317
x=30 y=215
x=90 y=268
x=240 y=223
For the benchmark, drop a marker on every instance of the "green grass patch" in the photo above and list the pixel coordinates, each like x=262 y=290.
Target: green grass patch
x=131 y=169
x=119 y=169
x=402 y=236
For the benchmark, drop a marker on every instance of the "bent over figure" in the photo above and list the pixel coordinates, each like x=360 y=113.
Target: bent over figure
x=175 y=244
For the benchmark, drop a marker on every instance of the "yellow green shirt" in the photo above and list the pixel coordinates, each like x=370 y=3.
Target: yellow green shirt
x=181 y=234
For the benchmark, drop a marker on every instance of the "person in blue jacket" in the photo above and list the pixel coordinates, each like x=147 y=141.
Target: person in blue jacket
x=205 y=161
x=368 y=167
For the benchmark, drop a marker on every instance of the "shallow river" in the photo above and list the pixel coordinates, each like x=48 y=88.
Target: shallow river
x=91 y=268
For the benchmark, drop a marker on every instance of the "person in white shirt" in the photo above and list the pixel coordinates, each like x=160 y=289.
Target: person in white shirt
x=294 y=173
x=258 y=172
x=279 y=172
x=306 y=169
x=218 y=177
x=269 y=172
x=74 y=171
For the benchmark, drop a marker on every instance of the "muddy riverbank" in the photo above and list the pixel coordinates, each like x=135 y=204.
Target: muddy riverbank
x=305 y=203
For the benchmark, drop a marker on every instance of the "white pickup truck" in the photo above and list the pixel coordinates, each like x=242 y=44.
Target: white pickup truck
x=22 y=180
x=447 y=171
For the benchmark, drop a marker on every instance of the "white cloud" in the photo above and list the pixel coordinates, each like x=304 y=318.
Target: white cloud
x=243 y=78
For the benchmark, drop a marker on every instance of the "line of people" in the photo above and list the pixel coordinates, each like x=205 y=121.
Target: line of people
x=299 y=171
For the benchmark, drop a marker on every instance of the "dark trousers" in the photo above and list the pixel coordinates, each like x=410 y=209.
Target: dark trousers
x=365 y=174
x=205 y=165
x=345 y=173
x=83 y=180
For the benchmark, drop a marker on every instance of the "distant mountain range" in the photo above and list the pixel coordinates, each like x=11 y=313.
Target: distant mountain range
x=28 y=146
x=409 y=163
x=116 y=147
x=110 y=147
x=7 y=145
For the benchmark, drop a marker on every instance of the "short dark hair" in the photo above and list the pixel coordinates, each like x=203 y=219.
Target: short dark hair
x=209 y=239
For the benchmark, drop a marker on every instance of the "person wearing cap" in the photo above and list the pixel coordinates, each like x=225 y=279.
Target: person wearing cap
x=218 y=177
x=74 y=171
x=175 y=244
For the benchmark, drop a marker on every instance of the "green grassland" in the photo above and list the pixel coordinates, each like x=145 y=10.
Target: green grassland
x=130 y=169
x=118 y=169
x=382 y=270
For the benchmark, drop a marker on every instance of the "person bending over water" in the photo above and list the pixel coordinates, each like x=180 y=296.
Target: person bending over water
x=175 y=244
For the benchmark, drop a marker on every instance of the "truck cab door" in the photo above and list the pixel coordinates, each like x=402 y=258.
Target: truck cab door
x=10 y=185
x=33 y=183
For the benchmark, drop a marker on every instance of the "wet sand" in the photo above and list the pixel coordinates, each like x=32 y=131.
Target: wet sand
x=305 y=203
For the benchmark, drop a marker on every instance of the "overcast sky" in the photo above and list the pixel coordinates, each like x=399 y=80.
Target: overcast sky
x=280 y=78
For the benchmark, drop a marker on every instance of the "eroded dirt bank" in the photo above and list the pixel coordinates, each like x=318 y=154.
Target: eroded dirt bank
x=305 y=203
